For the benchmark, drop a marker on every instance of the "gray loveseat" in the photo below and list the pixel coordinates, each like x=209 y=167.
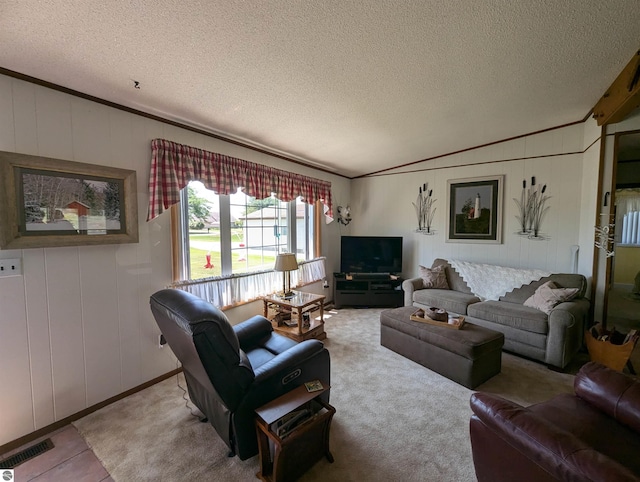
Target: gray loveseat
x=553 y=339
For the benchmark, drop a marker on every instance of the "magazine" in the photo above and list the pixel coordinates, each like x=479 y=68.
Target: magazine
x=314 y=386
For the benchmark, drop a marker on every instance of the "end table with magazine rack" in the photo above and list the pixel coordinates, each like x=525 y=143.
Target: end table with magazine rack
x=292 y=317
x=293 y=433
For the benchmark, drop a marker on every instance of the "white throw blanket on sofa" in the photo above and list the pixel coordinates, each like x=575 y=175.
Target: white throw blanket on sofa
x=490 y=282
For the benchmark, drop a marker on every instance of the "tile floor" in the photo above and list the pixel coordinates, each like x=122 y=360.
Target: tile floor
x=71 y=459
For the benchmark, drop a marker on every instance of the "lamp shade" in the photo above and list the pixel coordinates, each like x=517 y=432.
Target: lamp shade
x=286 y=262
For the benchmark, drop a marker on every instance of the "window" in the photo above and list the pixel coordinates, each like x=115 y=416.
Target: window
x=263 y=227
x=225 y=235
x=627 y=217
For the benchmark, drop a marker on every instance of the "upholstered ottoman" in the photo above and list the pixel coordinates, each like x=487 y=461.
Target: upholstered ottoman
x=468 y=356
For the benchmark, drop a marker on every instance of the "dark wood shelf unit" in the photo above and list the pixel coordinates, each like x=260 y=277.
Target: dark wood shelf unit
x=367 y=290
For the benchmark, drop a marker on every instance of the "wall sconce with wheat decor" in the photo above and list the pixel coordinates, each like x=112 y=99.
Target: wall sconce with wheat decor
x=425 y=209
x=532 y=209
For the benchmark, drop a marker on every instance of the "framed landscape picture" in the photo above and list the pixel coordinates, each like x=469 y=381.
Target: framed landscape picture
x=474 y=207
x=50 y=202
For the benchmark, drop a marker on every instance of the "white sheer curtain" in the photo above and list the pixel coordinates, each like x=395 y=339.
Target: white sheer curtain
x=628 y=216
x=238 y=288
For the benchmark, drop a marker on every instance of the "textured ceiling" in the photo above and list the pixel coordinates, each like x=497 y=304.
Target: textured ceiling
x=352 y=86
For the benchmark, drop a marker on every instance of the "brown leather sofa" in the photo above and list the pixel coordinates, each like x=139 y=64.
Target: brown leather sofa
x=592 y=435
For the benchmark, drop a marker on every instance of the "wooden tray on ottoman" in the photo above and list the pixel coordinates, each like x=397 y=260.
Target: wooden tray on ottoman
x=456 y=326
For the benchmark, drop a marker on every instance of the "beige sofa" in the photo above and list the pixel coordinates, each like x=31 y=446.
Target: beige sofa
x=552 y=338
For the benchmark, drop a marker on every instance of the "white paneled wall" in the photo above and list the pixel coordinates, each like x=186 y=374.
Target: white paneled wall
x=39 y=336
x=588 y=202
x=76 y=328
x=382 y=204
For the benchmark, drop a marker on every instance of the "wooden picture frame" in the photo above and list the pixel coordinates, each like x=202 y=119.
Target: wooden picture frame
x=48 y=202
x=474 y=207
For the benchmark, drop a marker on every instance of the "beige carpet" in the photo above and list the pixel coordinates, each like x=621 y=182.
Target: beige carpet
x=623 y=310
x=395 y=419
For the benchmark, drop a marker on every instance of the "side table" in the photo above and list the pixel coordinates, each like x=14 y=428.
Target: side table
x=285 y=456
x=296 y=307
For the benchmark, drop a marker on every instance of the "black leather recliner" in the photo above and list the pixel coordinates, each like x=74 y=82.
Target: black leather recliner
x=232 y=370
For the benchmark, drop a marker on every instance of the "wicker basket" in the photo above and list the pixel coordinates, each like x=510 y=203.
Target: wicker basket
x=609 y=354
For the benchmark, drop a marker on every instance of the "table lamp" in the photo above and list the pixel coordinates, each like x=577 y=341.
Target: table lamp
x=286 y=262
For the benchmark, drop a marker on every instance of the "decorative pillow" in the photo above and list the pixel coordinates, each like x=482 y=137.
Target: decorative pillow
x=548 y=295
x=434 y=277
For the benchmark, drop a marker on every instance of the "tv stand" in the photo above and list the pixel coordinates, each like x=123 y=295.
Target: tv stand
x=369 y=276
x=367 y=289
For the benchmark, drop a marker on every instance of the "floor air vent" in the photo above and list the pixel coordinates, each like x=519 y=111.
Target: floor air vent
x=26 y=454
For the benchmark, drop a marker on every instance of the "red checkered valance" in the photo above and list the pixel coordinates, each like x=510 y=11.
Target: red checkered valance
x=174 y=165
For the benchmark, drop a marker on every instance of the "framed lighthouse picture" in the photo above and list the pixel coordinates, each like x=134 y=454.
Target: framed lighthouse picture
x=475 y=210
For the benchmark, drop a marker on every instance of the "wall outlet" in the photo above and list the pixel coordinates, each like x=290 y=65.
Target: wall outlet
x=161 y=341
x=11 y=267
x=325 y=284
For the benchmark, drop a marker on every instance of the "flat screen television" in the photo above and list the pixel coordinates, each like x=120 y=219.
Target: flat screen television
x=371 y=254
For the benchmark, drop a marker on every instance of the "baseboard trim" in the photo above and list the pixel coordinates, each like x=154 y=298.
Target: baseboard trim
x=30 y=437
x=623 y=286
